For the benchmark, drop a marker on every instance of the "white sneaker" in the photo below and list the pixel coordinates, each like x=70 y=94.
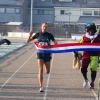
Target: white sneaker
x=41 y=89
x=85 y=84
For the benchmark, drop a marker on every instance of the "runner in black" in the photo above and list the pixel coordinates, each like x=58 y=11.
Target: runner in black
x=44 y=38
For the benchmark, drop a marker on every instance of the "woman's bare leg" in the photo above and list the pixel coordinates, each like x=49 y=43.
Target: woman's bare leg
x=40 y=72
x=47 y=67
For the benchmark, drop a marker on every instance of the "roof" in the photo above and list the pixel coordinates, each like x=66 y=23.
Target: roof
x=11 y=2
x=14 y=23
x=89 y=19
x=54 y=4
x=75 y=3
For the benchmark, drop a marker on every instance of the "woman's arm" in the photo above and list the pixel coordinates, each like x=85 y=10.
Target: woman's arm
x=30 y=37
x=55 y=42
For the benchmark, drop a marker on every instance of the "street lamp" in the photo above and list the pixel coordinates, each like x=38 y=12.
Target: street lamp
x=31 y=20
x=12 y=18
x=69 y=35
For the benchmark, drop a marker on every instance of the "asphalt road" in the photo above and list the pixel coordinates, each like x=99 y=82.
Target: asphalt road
x=18 y=77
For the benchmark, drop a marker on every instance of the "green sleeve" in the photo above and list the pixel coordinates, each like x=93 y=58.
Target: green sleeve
x=81 y=40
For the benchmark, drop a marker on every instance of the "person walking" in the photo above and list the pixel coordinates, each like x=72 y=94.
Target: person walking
x=89 y=57
x=43 y=59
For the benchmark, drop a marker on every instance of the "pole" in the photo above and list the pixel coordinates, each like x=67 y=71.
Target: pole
x=69 y=25
x=31 y=21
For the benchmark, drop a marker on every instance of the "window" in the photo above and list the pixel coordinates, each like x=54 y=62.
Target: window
x=87 y=12
x=65 y=0
x=41 y=12
x=17 y=10
x=67 y=12
x=64 y=12
x=2 y=10
x=48 y=12
x=97 y=13
x=35 y=12
x=45 y=0
x=10 y=10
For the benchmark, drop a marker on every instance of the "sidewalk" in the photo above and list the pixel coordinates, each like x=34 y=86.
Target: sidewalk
x=7 y=49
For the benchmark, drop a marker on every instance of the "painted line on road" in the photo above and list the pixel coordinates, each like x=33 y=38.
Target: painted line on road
x=93 y=92
x=17 y=71
x=45 y=95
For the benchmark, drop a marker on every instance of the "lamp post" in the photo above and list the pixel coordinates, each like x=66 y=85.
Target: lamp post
x=31 y=20
x=69 y=35
x=12 y=18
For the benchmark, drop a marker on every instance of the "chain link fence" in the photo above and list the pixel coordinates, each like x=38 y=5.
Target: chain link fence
x=59 y=31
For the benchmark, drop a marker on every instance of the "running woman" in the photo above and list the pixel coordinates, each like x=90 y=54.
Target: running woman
x=43 y=38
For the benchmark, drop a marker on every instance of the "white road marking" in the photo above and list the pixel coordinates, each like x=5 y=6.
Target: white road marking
x=45 y=95
x=93 y=92
x=17 y=71
x=44 y=98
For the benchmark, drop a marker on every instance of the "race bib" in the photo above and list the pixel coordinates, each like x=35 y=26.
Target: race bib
x=40 y=44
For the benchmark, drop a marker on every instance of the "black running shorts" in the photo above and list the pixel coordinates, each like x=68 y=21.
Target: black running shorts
x=45 y=56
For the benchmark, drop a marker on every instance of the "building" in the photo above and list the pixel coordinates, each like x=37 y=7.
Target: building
x=13 y=11
x=65 y=12
x=54 y=11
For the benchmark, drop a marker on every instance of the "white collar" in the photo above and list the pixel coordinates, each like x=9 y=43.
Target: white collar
x=91 y=37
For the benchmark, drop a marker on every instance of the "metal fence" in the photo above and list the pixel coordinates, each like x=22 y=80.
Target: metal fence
x=59 y=31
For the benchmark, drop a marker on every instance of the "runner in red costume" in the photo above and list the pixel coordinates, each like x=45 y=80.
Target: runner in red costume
x=90 y=57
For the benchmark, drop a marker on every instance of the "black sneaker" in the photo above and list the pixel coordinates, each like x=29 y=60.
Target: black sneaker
x=92 y=85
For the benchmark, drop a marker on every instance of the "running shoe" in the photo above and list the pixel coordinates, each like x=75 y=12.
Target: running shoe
x=92 y=85
x=85 y=84
x=41 y=89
